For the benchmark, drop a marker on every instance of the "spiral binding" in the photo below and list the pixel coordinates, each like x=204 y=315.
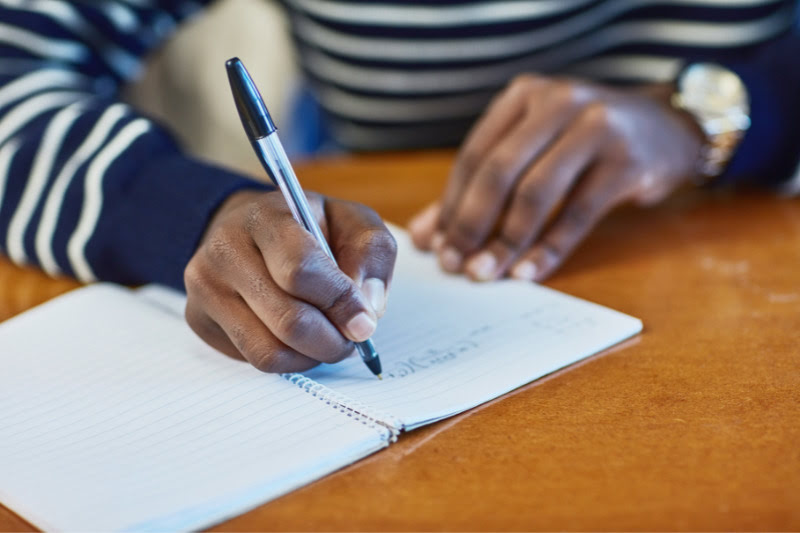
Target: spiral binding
x=369 y=416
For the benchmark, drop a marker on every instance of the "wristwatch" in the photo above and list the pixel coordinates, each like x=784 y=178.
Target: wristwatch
x=718 y=100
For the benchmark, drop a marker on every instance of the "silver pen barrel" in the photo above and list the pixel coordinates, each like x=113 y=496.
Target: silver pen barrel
x=271 y=151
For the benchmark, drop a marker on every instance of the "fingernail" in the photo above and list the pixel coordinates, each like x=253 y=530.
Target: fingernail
x=524 y=270
x=482 y=266
x=437 y=242
x=375 y=292
x=451 y=259
x=361 y=327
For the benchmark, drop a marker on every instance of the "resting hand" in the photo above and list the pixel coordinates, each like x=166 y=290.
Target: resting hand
x=545 y=163
x=260 y=288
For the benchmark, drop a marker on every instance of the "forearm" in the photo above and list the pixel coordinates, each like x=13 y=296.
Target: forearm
x=87 y=186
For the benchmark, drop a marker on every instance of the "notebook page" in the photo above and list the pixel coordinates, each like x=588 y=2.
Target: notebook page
x=447 y=344
x=114 y=416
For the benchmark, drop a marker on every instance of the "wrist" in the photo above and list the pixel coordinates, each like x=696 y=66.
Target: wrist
x=718 y=101
x=685 y=125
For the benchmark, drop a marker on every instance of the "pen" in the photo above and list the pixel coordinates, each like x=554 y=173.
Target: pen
x=263 y=136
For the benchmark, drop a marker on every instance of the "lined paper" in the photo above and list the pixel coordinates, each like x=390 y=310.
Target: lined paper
x=448 y=344
x=114 y=416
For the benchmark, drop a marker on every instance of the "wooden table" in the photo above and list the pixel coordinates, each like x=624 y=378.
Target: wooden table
x=694 y=425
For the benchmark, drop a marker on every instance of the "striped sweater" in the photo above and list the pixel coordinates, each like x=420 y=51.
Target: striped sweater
x=91 y=189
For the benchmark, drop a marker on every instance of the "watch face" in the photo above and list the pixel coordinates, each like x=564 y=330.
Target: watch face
x=715 y=94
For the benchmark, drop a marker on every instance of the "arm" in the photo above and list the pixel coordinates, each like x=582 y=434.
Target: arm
x=89 y=188
x=770 y=150
x=551 y=157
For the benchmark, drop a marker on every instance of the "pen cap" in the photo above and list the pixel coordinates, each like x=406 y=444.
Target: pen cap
x=252 y=110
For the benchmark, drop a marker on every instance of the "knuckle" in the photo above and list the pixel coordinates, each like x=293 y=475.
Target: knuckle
x=552 y=249
x=293 y=323
x=496 y=170
x=595 y=115
x=530 y=197
x=193 y=278
x=380 y=243
x=266 y=360
x=192 y=317
x=523 y=83
x=579 y=215
x=468 y=161
x=562 y=93
x=220 y=248
x=344 y=295
x=261 y=355
x=467 y=230
x=259 y=286
x=242 y=341
x=254 y=219
x=301 y=272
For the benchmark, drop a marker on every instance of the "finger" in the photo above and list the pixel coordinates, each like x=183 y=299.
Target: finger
x=544 y=186
x=245 y=335
x=424 y=225
x=501 y=115
x=300 y=267
x=599 y=193
x=365 y=249
x=297 y=324
x=209 y=331
x=487 y=191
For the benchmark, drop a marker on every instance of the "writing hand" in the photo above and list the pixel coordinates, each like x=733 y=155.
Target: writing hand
x=548 y=159
x=260 y=287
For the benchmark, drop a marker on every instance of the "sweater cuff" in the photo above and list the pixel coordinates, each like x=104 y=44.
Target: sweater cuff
x=163 y=217
x=769 y=152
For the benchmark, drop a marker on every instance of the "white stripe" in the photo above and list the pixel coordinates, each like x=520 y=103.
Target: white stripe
x=52 y=207
x=122 y=62
x=462 y=15
x=93 y=197
x=492 y=76
x=400 y=110
x=7 y=153
x=628 y=67
x=493 y=47
x=121 y=16
x=37 y=80
x=56 y=9
x=53 y=49
x=40 y=171
x=438 y=17
x=23 y=113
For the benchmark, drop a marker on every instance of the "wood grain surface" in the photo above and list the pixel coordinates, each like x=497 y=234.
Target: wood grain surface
x=693 y=425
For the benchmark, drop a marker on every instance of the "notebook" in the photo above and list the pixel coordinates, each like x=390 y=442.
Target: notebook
x=115 y=416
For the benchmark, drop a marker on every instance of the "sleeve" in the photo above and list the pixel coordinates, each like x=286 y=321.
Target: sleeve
x=769 y=153
x=88 y=188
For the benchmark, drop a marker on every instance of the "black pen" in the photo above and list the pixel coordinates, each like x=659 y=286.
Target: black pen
x=263 y=136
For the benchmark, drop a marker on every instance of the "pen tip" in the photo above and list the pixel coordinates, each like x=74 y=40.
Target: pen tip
x=380 y=377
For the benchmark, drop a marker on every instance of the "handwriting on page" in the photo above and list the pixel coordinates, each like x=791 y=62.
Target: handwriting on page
x=541 y=321
x=431 y=358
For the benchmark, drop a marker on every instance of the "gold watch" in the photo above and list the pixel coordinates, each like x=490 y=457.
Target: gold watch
x=718 y=100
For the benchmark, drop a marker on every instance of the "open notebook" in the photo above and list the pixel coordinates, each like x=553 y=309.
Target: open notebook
x=114 y=416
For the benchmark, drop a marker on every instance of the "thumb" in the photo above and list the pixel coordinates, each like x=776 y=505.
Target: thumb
x=364 y=248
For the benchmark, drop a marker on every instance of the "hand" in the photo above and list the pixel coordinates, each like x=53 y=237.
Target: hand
x=260 y=288
x=546 y=162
